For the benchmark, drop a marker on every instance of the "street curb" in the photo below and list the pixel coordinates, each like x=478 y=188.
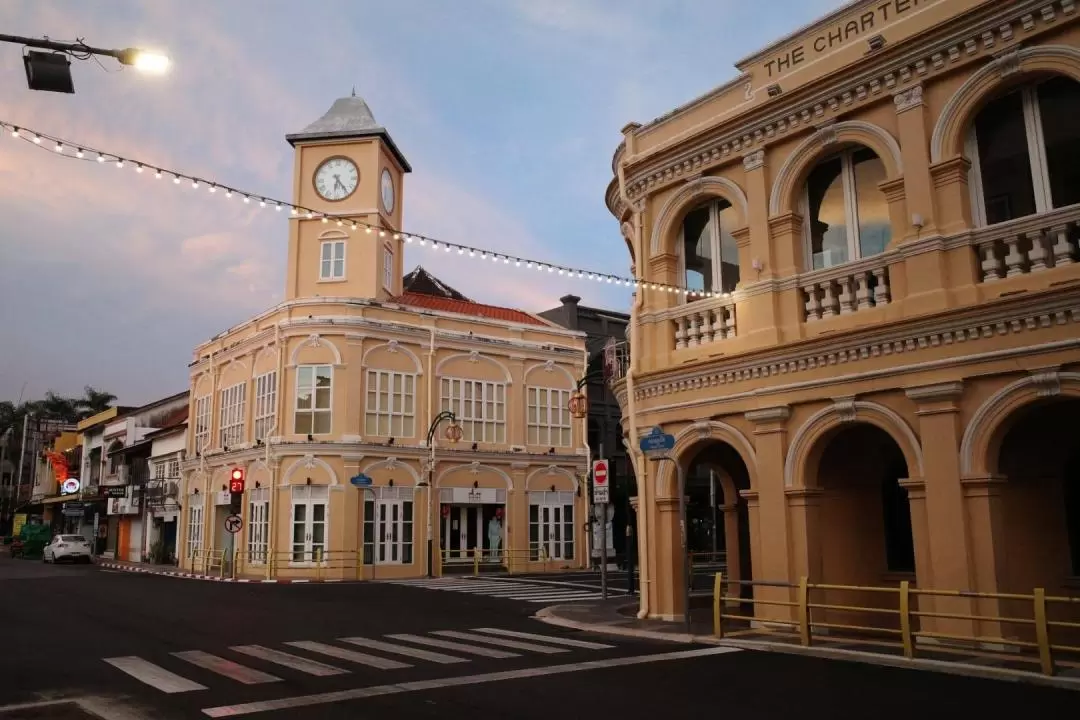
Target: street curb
x=547 y=615
x=213 y=578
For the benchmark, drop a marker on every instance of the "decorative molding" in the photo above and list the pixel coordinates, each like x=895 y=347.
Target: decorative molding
x=475 y=468
x=549 y=366
x=780 y=413
x=849 y=410
x=392 y=463
x=946 y=139
x=549 y=471
x=393 y=346
x=935 y=393
x=754 y=160
x=909 y=98
x=706 y=430
x=309 y=461
x=473 y=357
x=688 y=194
x=315 y=340
x=1047 y=384
x=707 y=144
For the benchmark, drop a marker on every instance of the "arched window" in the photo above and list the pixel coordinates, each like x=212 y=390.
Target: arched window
x=1024 y=149
x=847 y=214
x=710 y=254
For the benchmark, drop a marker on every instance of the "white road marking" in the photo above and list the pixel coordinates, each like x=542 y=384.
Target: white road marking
x=420 y=685
x=311 y=667
x=228 y=668
x=350 y=655
x=564 y=583
x=553 y=639
x=417 y=653
x=562 y=598
x=153 y=675
x=460 y=647
x=503 y=642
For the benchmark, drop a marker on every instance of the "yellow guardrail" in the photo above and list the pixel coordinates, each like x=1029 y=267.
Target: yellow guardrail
x=907 y=614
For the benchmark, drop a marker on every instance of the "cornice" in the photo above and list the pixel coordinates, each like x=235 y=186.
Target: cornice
x=1002 y=317
x=978 y=36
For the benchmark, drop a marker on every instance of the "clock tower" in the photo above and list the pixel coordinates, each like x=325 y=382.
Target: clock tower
x=348 y=167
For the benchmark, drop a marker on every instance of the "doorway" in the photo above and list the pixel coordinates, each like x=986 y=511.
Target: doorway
x=468 y=527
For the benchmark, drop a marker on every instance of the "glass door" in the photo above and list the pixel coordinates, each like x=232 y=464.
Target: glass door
x=390 y=530
x=308 y=525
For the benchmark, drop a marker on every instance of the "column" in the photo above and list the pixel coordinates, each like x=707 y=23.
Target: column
x=771 y=530
x=804 y=514
x=732 y=559
x=668 y=575
x=757 y=315
x=948 y=546
x=984 y=507
x=516 y=524
x=351 y=538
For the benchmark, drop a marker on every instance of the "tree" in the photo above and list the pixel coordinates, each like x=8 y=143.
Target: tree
x=94 y=401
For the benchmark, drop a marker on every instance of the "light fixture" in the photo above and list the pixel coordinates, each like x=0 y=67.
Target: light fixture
x=48 y=71
x=453 y=432
x=578 y=405
x=143 y=60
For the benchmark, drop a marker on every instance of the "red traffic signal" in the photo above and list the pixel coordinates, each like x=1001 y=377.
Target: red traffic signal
x=236 y=483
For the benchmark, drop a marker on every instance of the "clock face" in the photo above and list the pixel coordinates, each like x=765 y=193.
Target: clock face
x=387 y=188
x=336 y=179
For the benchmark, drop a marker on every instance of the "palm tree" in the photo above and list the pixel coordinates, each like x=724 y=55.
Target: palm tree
x=94 y=401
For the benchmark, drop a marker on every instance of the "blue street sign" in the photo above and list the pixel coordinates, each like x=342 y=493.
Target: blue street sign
x=361 y=480
x=656 y=440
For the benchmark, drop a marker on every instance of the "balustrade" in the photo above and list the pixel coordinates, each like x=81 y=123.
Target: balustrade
x=845 y=289
x=1029 y=244
x=704 y=322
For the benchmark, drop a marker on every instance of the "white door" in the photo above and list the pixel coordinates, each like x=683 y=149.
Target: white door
x=551 y=527
x=308 y=530
x=390 y=530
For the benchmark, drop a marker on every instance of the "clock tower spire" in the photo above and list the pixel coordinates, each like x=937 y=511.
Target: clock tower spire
x=346 y=166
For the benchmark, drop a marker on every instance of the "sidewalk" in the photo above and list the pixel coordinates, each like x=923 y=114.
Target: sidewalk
x=170 y=571
x=616 y=617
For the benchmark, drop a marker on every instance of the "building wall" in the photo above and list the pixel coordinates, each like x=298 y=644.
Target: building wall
x=941 y=356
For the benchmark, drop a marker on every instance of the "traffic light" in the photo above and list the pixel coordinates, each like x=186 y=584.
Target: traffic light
x=236 y=490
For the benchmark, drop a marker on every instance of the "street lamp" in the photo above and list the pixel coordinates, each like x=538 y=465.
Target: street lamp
x=51 y=71
x=453 y=434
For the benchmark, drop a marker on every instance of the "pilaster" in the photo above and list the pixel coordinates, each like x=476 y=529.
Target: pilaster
x=668 y=577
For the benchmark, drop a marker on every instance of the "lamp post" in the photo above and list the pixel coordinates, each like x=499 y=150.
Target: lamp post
x=453 y=434
x=51 y=71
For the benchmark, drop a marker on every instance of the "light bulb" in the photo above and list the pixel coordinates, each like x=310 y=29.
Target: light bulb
x=138 y=168
x=59 y=147
x=247 y=198
x=37 y=139
x=79 y=153
x=157 y=175
x=15 y=132
x=176 y=179
x=119 y=163
x=100 y=158
x=194 y=184
x=213 y=188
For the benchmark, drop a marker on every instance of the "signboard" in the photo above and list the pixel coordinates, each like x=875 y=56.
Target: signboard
x=600 y=493
x=474 y=496
x=72 y=509
x=656 y=442
x=114 y=491
x=361 y=480
x=233 y=523
x=70 y=486
x=17 y=524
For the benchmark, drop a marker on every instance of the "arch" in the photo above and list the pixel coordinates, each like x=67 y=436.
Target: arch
x=475 y=356
x=547 y=472
x=393 y=346
x=987 y=422
x=549 y=366
x=333 y=234
x=315 y=340
x=790 y=177
x=271 y=349
x=947 y=140
x=838 y=414
x=709 y=186
x=700 y=432
x=475 y=468
x=246 y=370
x=307 y=462
x=392 y=463
x=199 y=380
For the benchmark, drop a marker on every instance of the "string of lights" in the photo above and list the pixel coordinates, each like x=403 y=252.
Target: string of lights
x=77 y=151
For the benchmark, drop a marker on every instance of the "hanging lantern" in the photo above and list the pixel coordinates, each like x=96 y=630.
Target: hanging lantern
x=446 y=511
x=499 y=513
x=453 y=432
x=579 y=404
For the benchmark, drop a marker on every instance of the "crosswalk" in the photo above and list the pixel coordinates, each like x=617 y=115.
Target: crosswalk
x=533 y=592
x=441 y=647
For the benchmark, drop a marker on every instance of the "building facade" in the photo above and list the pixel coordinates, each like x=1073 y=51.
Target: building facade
x=860 y=305
x=337 y=403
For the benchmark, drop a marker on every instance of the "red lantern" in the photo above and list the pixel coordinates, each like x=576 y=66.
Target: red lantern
x=499 y=513
x=579 y=404
x=453 y=432
x=446 y=511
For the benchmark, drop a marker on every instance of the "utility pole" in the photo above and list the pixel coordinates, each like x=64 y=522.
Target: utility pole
x=22 y=457
x=51 y=71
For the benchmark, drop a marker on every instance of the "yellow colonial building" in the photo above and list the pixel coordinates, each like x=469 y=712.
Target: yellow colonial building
x=342 y=403
x=860 y=309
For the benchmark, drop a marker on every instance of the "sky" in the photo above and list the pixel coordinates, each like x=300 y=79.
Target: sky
x=508 y=110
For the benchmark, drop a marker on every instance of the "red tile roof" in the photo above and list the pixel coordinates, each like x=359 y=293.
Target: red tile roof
x=465 y=307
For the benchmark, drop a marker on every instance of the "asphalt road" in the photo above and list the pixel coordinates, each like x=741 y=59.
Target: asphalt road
x=206 y=649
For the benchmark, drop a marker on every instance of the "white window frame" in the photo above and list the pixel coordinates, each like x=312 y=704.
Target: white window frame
x=851 y=210
x=173 y=471
x=258 y=526
x=716 y=241
x=314 y=410
x=555 y=504
x=309 y=496
x=233 y=411
x=385 y=548
x=397 y=423
x=492 y=430
x=388 y=268
x=548 y=413
x=195 y=524
x=203 y=413
x=1036 y=145
x=265 y=418
x=335 y=245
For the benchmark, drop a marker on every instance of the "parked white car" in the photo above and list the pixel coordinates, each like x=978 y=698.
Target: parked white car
x=74 y=548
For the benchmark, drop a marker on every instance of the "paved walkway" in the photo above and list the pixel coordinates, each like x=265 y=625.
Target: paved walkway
x=617 y=617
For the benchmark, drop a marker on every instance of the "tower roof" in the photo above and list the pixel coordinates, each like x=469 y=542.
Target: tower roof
x=349 y=117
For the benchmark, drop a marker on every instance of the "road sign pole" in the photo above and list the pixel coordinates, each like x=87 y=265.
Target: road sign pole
x=603 y=551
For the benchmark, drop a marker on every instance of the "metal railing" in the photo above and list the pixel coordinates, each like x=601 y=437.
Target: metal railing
x=1041 y=649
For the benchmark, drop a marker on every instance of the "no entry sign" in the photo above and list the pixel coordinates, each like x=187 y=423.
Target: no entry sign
x=600 y=481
